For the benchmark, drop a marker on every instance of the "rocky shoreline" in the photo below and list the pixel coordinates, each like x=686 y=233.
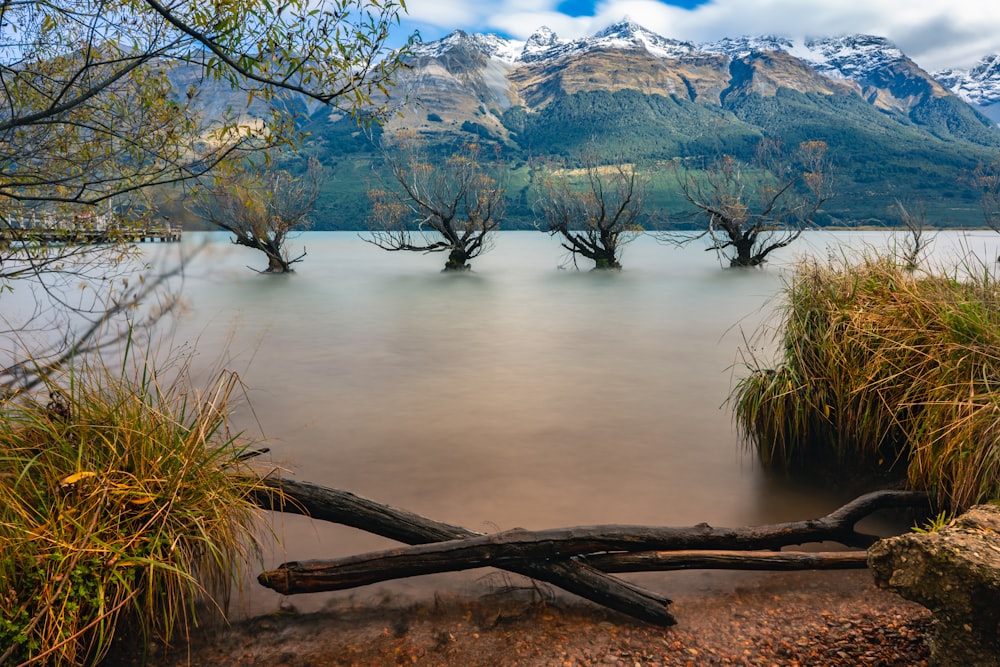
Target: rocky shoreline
x=788 y=619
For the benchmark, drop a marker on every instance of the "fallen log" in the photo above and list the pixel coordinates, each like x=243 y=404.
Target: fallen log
x=664 y=561
x=517 y=548
x=343 y=507
x=353 y=571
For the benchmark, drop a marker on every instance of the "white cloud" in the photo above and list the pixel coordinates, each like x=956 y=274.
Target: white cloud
x=935 y=33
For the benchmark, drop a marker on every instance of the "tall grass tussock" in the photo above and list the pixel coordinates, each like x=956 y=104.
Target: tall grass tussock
x=123 y=506
x=884 y=367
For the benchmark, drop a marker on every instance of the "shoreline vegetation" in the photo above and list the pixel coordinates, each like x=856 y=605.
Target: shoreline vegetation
x=123 y=510
x=883 y=368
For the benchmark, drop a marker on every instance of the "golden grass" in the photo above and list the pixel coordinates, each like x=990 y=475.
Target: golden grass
x=884 y=367
x=123 y=503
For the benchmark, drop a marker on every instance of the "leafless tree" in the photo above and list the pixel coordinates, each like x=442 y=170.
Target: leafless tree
x=452 y=206
x=915 y=241
x=262 y=206
x=751 y=210
x=987 y=178
x=594 y=221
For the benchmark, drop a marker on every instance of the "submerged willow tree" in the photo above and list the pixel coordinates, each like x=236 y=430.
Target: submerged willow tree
x=596 y=220
x=749 y=210
x=452 y=204
x=262 y=206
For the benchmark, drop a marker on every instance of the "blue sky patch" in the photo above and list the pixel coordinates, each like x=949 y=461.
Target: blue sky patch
x=586 y=7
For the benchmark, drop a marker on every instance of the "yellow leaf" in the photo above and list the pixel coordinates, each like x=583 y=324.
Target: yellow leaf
x=142 y=501
x=76 y=477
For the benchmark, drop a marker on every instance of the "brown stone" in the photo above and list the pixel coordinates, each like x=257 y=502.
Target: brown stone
x=955 y=573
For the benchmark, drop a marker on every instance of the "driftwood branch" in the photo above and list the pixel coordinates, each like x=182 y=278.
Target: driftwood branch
x=348 y=509
x=571 y=558
x=353 y=571
x=663 y=561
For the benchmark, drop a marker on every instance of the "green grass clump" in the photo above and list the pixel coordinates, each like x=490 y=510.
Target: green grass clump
x=884 y=368
x=123 y=504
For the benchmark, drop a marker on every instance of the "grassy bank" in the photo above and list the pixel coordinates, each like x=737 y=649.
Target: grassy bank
x=122 y=510
x=884 y=368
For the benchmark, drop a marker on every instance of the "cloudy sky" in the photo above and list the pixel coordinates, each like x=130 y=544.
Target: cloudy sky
x=934 y=33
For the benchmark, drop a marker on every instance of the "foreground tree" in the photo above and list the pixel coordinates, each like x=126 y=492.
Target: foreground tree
x=454 y=206
x=596 y=221
x=751 y=210
x=261 y=206
x=101 y=99
x=88 y=108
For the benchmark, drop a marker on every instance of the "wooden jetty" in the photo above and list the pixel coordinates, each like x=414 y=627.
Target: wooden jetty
x=87 y=233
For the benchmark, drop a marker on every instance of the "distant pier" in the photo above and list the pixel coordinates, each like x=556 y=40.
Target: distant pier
x=85 y=231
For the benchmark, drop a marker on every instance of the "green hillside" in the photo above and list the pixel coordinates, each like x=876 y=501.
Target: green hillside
x=879 y=157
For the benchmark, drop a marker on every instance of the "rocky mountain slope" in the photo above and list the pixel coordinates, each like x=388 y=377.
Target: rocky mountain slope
x=895 y=132
x=979 y=86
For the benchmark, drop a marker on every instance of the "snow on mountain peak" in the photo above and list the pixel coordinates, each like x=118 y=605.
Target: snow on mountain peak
x=850 y=56
x=629 y=34
x=626 y=34
x=979 y=85
x=541 y=42
x=490 y=45
x=844 y=57
x=739 y=47
x=626 y=28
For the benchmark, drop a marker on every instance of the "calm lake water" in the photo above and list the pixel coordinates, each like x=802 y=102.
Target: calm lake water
x=519 y=395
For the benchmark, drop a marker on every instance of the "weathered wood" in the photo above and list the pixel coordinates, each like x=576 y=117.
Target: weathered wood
x=343 y=507
x=517 y=548
x=353 y=571
x=662 y=561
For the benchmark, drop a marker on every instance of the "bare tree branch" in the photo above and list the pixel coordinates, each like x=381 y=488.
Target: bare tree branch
x=749 y=211
x=454 y=207
x=595 y=221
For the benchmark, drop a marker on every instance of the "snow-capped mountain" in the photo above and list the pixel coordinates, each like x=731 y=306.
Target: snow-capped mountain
x=845 y=57
x=979 y=86
x=851 y=57
x=490 y=45
x=885 y=75
x=546 y=45
x=894 y=133
x=882 y=72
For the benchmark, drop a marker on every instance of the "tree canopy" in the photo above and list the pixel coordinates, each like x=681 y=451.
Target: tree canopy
x=102 y=99
x=89 y=107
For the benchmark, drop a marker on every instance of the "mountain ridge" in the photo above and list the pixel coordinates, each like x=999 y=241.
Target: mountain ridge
x=895 y=133
x=849 y=57
x=978 y=85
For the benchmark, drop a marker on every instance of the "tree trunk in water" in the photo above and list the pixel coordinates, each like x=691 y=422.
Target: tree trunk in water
x=277 y=265
x=458 y=260
x=607 y=262
x=744 y=253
